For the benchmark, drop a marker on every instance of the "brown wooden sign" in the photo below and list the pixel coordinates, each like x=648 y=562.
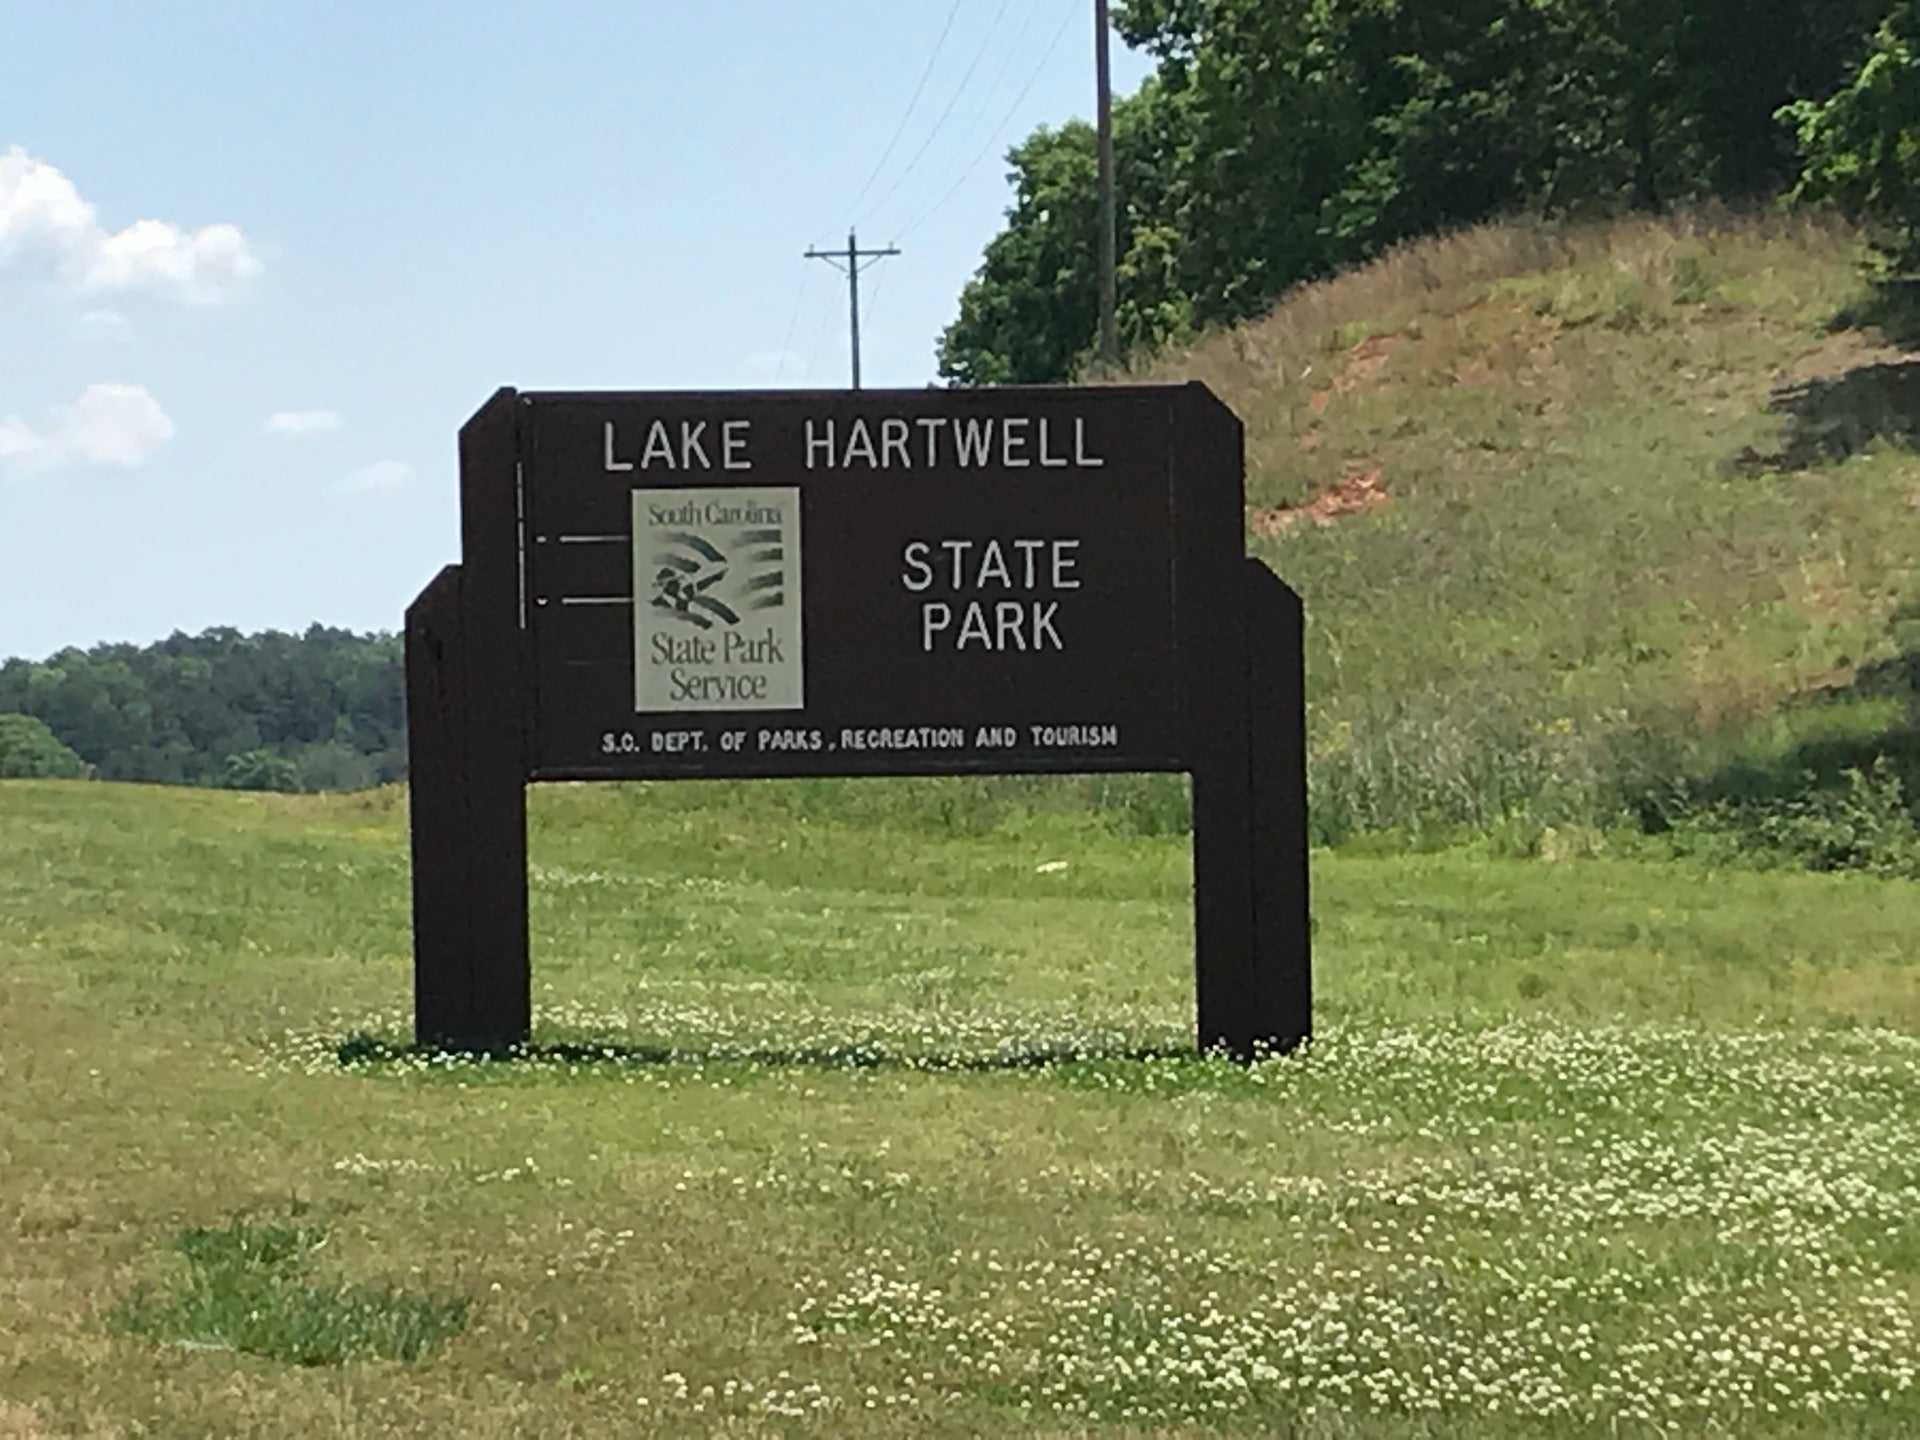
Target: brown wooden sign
x=933 y=582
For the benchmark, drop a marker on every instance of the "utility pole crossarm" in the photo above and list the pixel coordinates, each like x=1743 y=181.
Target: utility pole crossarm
x=848 y=262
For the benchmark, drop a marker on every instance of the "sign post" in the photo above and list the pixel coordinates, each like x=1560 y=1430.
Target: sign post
x=689 y=585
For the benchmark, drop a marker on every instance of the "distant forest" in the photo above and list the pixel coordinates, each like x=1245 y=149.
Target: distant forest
x=323 y=710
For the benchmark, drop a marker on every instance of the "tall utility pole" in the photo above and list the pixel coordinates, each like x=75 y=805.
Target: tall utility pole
x=1109 y=283
x=848 y=261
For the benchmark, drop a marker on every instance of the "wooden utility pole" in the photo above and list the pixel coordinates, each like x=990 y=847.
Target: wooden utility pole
x=1109 y=282
x=848 y=260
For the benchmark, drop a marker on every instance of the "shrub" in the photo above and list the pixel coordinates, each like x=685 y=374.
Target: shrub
x=1863 y=824
x=30 y=751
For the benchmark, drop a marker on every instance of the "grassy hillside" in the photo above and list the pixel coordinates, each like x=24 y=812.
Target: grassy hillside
x=854 y=1117
x=1646 y=490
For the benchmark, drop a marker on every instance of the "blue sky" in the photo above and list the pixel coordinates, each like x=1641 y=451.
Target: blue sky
x=259 y=261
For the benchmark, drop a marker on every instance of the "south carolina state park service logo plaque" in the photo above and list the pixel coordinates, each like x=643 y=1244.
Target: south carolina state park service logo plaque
x=716 y=609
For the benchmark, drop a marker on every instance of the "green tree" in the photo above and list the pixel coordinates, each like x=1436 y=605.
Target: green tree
x=333 y=765
x=1862 y=144
x=328 y=702
x=1027 y=316
x=261 y=770
x=1743 y=59
x=1282 y=139
x=1030 y=314
x=30 y=751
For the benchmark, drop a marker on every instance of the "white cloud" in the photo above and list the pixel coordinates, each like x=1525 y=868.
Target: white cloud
x=40 y=207
x=380 y=475
x=44 y=221
x=105 y=325
x=302 y=422
x=107 y=425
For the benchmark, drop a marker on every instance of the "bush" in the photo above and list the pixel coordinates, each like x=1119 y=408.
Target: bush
x=1862 y=144
x=333 y=766
x=1864 y=824
x=1432 y=769
x=260 y=770
x=30 y=751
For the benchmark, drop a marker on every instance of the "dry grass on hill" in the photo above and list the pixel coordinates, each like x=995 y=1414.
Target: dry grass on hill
x=1306 y=344
x=1631 y=487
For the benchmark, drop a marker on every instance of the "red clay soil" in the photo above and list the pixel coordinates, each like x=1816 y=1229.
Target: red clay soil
x=1364 y=361
x=1361 y=491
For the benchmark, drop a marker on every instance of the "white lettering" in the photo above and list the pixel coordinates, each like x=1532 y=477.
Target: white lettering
x=993 y=563
x=1080 y=455
x=1048 y=461
x=1062 y=563
x=1043 y=623
x=893 y=438
x=957 y=549
x=1014 y=441
x=1007 y=618
x=973 y=440
x=860 y=442
x=915 y=558
x=692 y=443
x=930 y=427
x=817 y=444
x=1057 y=735
x=935 y=616
x=974 y=626
x=732 y=444
x=1026 y=549
x=614 y=465
x=1000 y=626
x=659 y=446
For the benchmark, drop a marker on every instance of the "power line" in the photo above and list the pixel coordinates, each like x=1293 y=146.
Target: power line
x=818 y=343
x=958 y=91
x=907 y=114
x=849 y=261
x=793 y=323
x=966 y=172
x=873 y=295
x=970 y=132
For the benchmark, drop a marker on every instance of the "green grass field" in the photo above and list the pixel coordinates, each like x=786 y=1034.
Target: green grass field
x=889 y=1132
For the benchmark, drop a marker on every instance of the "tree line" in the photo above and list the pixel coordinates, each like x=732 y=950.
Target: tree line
x=321 y=710
x=1281 y=140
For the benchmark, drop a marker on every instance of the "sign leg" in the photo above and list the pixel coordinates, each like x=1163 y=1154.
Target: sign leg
x=1277 y=684
x=471 y=981
x=437 y=712
x=1251 y=935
